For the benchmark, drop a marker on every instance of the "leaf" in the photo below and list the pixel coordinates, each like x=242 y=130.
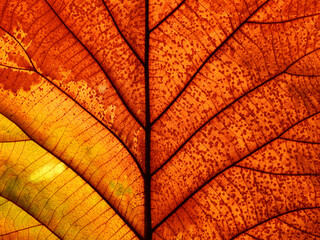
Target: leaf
x=159 y=119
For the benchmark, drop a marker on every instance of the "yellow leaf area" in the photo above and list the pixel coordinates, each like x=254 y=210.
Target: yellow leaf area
x=44 y=197
x=15 y=223
x=72 y=134
x=9 y=132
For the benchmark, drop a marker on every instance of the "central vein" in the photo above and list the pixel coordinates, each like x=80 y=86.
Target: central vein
x=147 y=180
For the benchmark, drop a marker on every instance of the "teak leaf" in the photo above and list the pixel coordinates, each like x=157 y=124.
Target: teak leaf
x=159 y=119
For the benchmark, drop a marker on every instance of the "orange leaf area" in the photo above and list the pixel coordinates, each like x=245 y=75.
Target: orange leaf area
x=159 y=119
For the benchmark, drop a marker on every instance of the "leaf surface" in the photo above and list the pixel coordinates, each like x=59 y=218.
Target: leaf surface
x=159 y=119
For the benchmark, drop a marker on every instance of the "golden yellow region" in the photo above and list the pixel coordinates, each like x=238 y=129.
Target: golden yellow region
x=63 y=128
x=47 y=172
x=28 y=168
x=16 y=223
x=9 y=131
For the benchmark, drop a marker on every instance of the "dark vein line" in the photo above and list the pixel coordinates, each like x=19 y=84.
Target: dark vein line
x=123 y=37
x=115 y=233
x=15 y=68
x=103 y=70
x=274 y=217
x=31 y=216
x=30 y=61
x=302 y=75
x=99 y=121
x=206 y=60
x=15 y=141
x=97 y=227
x=279 y=174
x=166 y=17
x=79 y=175
x=317 y=236
x=252 y=236
x=299 y=141
x=227 y=168
x=158 y=235
x=147 y=179
x=284 y=21
x=19 y=230
x=226 y=107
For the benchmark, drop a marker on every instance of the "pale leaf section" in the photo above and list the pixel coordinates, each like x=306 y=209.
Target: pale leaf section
x=52 y=193
x=66 y=130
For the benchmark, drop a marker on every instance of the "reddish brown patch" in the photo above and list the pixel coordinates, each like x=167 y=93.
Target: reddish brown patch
x=15 y=80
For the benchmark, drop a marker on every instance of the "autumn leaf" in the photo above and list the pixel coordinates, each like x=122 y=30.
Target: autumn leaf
x=159 y=119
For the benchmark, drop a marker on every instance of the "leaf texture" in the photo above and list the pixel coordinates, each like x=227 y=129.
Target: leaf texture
x=159 y=119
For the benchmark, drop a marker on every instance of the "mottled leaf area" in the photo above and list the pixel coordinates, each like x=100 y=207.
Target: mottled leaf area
x=160 y=119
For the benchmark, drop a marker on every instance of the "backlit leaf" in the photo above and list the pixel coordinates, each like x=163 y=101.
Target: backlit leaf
x=159 y=119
